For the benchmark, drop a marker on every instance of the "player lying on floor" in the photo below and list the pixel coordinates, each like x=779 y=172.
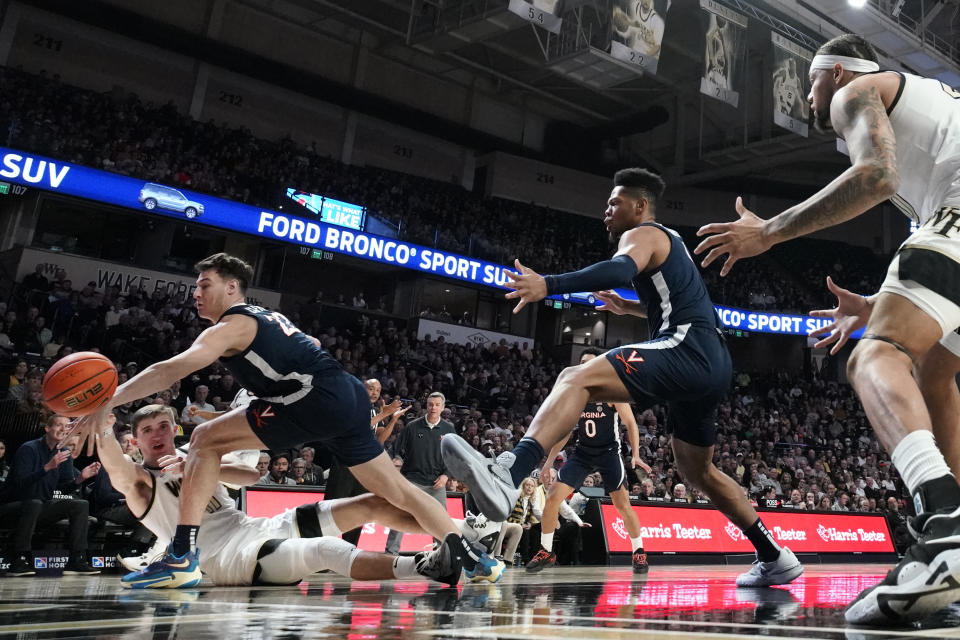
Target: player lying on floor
x=241 y=550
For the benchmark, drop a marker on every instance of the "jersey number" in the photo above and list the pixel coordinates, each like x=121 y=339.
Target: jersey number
x=590 y=428
x=287 y=326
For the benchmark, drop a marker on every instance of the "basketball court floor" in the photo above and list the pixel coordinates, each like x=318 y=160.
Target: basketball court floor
x=582 y=603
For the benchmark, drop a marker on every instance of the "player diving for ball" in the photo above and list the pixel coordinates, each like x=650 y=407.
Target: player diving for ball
x=239 y=549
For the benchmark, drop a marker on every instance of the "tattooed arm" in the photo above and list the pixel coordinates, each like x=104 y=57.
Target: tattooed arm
x=859 y=116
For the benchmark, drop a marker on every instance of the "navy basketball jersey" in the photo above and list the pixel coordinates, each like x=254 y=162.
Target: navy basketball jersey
x=281 y=362
x=674 y=293
x=599 y=427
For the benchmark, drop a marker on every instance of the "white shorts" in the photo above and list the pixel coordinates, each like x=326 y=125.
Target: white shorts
x=943 y=252
x=234 y=559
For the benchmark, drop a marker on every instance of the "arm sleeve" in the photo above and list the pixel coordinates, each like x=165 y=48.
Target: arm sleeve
x=618 y=271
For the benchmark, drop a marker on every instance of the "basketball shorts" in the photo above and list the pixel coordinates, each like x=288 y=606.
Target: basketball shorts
x=335 y=412
x=926 y=271
x=583 y=462
x=690 y=371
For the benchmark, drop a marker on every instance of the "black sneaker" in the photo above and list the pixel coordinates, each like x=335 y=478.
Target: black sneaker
x=640 y=562
x=78 y=565
x=21 y=567
x=443 y=563
x=543 y=559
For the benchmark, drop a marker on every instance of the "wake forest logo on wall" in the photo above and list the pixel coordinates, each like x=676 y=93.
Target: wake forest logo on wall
x=725 y=48
x=636 y=31
x=790 y=85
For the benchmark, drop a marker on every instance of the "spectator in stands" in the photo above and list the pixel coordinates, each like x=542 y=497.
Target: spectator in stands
x=279 y=466
x=312 y=474
x=680 y=493
x=40 y=468
x=200 y=402
x=20 y=370
x=898 y=526
x=33 y=381
x=297 y=470
x=263 y=464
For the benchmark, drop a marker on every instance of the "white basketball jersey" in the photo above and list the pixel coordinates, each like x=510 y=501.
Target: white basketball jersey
x=926 y=122
x=228 y=541
x=163 y=513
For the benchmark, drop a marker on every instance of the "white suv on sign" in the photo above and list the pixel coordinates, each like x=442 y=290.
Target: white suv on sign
x=157 y=195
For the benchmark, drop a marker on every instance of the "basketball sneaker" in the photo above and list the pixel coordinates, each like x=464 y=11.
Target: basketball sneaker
x=640 y=562
x=925 y=580
x=488 y=568
x=933 y=525
x=785 y=569
x=142 y=561
x=169 y=572
x=480 y=530
x=443 y=563
x=489 y=481
x=541 y=560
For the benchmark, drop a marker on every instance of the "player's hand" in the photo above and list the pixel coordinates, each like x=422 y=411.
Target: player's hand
x=635 y=462
x=86 y=428
x=89 y=471
x=612 y=302
x=743 y=238
x=393 y=406
x=171 y=465
x=527 y=284
x=585 y=525
x=851 y=313
x=56 y=460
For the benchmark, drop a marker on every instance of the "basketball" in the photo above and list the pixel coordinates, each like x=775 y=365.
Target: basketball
x=79 y=384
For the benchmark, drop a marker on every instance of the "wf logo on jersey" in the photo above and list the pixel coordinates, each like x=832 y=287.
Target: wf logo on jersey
x=734 y=532
x=629 y=361
x=619 y=528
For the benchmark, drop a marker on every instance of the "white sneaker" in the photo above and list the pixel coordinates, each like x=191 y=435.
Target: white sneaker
x=924 y=581
x=785 y=569
x=480 y=529
x=142 y=561
x=489 y=481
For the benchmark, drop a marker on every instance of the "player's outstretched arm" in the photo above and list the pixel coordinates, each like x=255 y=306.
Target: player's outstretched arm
x=851 y=313
x=230 y=472
x=859 y=116
x=126 y=476
x=616 y=304
x=625 y=411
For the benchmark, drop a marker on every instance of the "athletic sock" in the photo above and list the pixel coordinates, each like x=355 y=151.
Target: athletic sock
x=637 y=543
x=185 y=539
x=405 y=567
x=767 y=548
x=546 y=541
x=471 y=552
x=925 y=472
x=528 y=453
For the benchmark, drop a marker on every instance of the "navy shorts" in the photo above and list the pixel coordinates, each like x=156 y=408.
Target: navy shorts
x=335 y=412
x=584 y=462
x=691 y=375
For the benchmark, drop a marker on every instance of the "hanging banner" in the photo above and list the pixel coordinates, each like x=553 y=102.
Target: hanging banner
x=542 y=13
x=725 y=48
x=790 y=62
x=636 y=31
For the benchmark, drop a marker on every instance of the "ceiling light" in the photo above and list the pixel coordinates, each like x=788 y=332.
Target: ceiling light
x=857 y=4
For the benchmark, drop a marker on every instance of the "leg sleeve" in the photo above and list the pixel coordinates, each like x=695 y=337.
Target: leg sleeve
x=294 y=559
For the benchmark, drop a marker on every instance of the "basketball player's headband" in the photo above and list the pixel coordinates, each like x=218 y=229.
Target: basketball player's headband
x=856 y=65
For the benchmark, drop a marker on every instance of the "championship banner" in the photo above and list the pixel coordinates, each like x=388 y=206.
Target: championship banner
x=636 y=31
x=725 y=48
x=542 y=13
x=790 y=62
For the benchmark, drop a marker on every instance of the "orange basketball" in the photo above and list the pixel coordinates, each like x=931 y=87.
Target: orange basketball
x=79 y=384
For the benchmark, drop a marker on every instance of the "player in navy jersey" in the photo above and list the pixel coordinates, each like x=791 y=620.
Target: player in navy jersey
x=598 y=449
x=302 y=394
x=685 y=364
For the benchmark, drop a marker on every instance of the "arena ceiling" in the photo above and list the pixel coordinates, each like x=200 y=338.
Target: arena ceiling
x=591 y=98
